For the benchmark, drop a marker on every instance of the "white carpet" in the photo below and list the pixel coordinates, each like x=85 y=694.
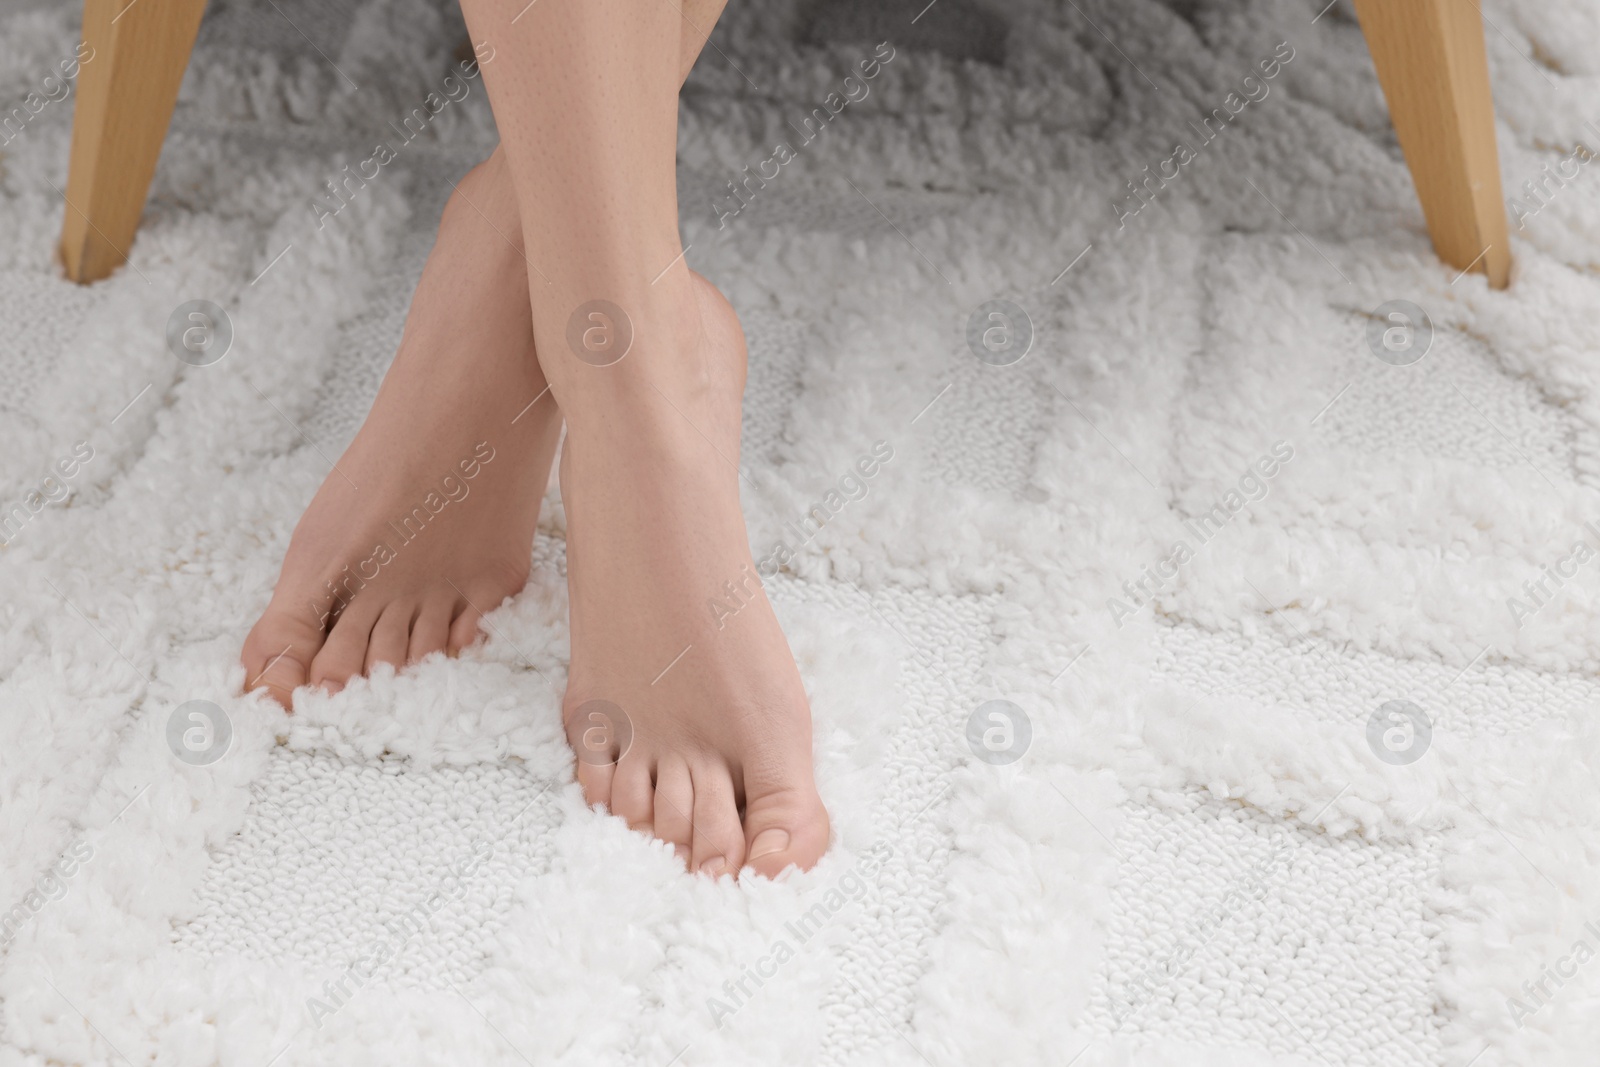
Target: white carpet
x=1199 y=858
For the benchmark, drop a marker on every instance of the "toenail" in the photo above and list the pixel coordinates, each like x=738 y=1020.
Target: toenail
x=769 y=841
x=714 y=866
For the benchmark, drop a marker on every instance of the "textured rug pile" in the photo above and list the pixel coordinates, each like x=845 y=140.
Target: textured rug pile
x=1207 y=677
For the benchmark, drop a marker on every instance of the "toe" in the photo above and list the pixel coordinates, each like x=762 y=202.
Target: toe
x=785 y=826
x=390 y=636
x=594 y=748
x=464 y=630
x=279 y=651
x=718 y=846
x=596 y=782
x=345 y=651
x=431 y=632
x=674 y=803
x=631 y=794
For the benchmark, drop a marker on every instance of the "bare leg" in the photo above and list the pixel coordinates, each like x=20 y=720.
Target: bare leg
x=585 y=97
x=465 y=371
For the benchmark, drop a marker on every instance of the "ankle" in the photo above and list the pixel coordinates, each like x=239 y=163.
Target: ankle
x=643 y=436
x=637 y=356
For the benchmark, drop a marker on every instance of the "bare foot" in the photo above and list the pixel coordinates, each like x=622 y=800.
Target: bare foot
x=719 y=759
x=428 y=519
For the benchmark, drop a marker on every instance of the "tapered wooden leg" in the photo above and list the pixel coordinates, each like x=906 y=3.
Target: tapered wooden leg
x=132 y=60
x=1431 y=63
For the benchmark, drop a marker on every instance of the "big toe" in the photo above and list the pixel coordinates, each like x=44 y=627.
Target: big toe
x=278 y=653
x=784 y=827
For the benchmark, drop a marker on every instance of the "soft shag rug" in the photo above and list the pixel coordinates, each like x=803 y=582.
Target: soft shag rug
x=1289 y=605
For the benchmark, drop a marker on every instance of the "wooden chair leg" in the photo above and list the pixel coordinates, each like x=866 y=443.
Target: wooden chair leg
x=127 y=87
x=1431 y=63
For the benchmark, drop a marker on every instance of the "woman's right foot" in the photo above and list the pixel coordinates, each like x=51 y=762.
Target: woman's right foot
x=714 y=733
x=428 y=518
